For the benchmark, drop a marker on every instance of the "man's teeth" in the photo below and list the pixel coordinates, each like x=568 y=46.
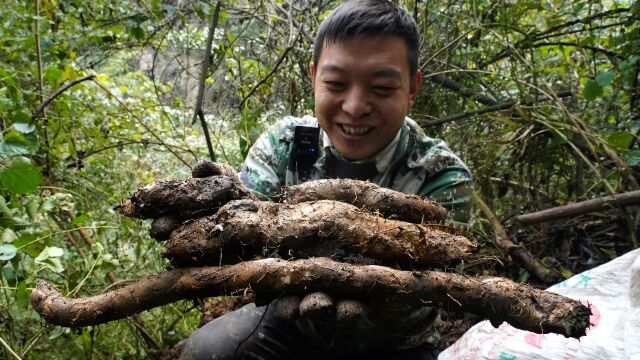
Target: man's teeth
x=355 y=130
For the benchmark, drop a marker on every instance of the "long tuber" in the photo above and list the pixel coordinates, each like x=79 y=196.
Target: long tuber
x=496 y=299
x=389 y=203
x=243 y=229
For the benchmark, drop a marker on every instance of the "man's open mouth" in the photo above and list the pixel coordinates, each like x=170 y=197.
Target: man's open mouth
x=355 y=130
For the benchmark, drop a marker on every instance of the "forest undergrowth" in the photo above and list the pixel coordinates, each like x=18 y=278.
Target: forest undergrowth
x=540 y=99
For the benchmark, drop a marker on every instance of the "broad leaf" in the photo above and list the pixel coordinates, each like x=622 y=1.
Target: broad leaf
x=21 y=177
x=49 y=257
x=592 y=90
x=606 y=77
x=24 y=128
x=28 y=244
x=8 y=236
x=14 y=144
x=7 y=252
x=632 y=157
x=22 y=295
x=620 y=140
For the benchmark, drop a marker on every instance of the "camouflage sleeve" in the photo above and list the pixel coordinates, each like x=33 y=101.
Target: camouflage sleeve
x=265 y=165
x=452 y=188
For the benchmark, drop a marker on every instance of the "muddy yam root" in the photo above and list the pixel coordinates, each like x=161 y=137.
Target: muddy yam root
x=184 y=199
x=495 y=299
x=389 y=203
x=244 y=229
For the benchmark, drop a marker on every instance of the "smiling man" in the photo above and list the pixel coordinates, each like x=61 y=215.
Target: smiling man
x=365 y=79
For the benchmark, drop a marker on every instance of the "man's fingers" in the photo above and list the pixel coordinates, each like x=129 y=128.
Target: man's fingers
x=317 y=306
x=352 y=314
x=162 y=227
x=287 y=307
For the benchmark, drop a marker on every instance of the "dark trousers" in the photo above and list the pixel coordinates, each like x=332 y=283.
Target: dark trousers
x=256 y=333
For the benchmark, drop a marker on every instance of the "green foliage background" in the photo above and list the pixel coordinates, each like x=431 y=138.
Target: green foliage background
x=133 y=68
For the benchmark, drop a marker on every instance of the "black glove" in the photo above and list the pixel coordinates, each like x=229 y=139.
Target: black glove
x=349 y=325
x=320 y=306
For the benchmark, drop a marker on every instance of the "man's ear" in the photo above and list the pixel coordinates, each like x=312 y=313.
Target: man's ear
x=312 y=70
x=414 y=87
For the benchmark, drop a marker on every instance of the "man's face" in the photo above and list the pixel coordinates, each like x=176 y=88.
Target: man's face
x=363 y=91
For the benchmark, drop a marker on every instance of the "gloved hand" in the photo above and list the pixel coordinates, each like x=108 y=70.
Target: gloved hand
x=320 y=306
x=349 y=325
x=162 y=227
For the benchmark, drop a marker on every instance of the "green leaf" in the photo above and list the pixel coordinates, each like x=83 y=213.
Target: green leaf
x=27 y=244
x=9 y=236
x=31 y=205
x=5 y=102
x=7 y=252
x=80 y=220
x=57 y=332
x=137 y=32
x=49 y=257
x=14 y=144
x=22 y=296
x=4 y=209
x=540 y=22
x=7 y=78
x=632 y=157
x=52 y=76
x=606 y=77
x=9 y=274
x=21 y=177
x=53 y=202
x=24 y=128
x=620 y=140
x=591 y=90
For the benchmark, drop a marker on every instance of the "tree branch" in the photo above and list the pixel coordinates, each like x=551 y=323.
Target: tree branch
x=64 y=88
x=583 y=207
x=453 y=85
x=498 y=107
x=264 y=79
x=198 y=112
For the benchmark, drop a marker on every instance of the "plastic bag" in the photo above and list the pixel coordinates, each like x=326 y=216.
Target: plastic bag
x=613 y=292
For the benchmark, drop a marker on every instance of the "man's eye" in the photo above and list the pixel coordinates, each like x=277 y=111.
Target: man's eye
x=383 y=90
x=334 y=85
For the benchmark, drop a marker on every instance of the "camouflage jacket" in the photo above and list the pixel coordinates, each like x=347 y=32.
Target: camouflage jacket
x=412 y=163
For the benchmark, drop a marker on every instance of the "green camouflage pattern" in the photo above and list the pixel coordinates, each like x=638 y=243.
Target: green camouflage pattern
x=419 y=165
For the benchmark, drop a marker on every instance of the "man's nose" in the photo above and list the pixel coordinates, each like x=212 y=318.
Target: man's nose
x=357 y=103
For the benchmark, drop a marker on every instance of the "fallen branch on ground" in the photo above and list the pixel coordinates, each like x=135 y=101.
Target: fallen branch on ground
x=521 y=255
x=496 y=299
x=583 y=207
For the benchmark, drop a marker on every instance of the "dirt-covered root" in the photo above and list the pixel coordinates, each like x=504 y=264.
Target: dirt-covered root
x=184 y=199
x=206 y=168
x=495 y=299
x=369 y=196
x=243 y=229
x=162 y=227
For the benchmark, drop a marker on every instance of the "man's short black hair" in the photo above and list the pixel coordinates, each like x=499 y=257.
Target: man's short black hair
x=369 y=17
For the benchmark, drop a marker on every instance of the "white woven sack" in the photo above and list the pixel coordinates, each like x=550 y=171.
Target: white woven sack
x=612 y=290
